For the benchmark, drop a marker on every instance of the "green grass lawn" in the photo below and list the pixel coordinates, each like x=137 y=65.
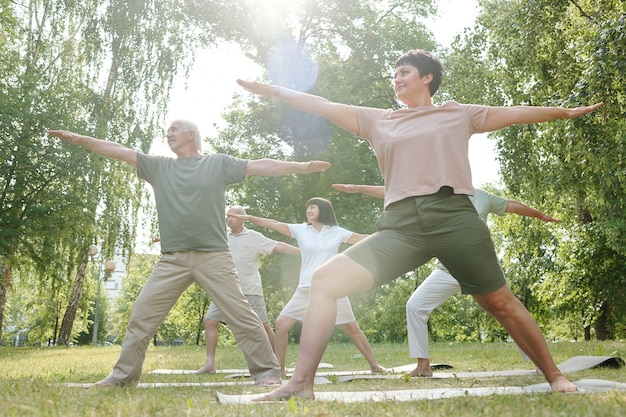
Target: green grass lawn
x=31 y=383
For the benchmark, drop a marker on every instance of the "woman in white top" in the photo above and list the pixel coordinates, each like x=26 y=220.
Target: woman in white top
x=319 y=240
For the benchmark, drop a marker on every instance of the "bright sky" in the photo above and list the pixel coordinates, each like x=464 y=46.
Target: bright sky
x=203 y=96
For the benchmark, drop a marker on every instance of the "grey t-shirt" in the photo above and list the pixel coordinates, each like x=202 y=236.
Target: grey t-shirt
x=190 y=198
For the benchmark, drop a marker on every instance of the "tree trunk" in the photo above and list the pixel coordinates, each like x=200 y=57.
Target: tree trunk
x=199 y=337
x=65 y=334
x=4 y=290
x=604 y=324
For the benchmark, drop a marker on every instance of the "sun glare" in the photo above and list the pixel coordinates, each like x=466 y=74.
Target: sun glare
x=271 y=14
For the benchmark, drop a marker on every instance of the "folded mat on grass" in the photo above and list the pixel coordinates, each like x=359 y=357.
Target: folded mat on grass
x=584 y=386
x=574 y=364
x=577 y=363
x=340 y=374
x=318 y=381
x=234 y=372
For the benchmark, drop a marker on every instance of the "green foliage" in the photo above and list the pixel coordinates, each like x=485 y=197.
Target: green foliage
x=138 y=270
x=107 y=69
x=551 y=53
x=36 y=303
x=101 y=68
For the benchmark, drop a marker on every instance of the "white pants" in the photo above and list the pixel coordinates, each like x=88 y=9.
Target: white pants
x=437 y=288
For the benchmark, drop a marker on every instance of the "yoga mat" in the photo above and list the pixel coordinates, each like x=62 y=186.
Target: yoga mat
x=409 y=367
x=193 y=371
x=577 y=363
x=234 y=372
x=584 y=386
x=317 y=381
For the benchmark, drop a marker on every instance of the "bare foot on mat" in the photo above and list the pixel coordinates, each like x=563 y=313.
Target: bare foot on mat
x=288 y=391
x=420 y=372
x=562 y=384
x=207 y=369
x=268 y=380
x=104 y=383
x=381 y=370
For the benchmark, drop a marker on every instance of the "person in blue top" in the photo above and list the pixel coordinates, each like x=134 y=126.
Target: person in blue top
x=319 y=240
x=190 y=200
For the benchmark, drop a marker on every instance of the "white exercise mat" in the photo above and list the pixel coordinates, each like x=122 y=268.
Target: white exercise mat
x=584 y=386
x=317 y=381
x=577 y=363
x=233 y=372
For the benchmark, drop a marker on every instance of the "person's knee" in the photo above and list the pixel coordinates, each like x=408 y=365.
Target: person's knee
x=498 y=303
x=211 y=324
x=416 y=308
x=322 y=287
x=322 y=277
x=351 y=328
x=282 y=326
x=412 y=307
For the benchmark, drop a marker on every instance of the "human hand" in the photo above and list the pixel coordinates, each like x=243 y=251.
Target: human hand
x=545 y=218
x=67 y=136
x=346 y=188
x=315 y=166
x=580 y=111
x=377 y=191
x=266 y=90
x=244 y=217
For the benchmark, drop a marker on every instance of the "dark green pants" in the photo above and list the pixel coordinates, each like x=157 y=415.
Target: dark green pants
x=442 y=225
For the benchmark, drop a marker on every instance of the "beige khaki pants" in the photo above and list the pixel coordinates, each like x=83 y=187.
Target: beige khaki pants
x=174 y=273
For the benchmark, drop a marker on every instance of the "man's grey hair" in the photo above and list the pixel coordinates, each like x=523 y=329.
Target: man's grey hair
x=239 y=208
x=192 y=127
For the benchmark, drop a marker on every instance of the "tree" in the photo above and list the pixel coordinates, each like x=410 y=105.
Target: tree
x=138 y=269
x=34 y=203
x=561 y=53
x=104 y=68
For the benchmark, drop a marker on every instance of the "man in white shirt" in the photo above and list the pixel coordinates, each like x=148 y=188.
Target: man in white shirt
x=246 y=246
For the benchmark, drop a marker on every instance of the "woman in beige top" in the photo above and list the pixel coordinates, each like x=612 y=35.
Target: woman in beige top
x=422 y=152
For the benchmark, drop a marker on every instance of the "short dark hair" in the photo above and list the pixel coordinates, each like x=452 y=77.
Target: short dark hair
x=327 y=212
x=426 y=63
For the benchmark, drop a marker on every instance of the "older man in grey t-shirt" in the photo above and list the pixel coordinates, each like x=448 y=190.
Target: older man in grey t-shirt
x=190 y=200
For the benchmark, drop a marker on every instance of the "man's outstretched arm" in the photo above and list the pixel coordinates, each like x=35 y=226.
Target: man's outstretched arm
x=273 y=168
x=272 y=224
x=523 y=210
x=101 y=147
x=283 y=247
